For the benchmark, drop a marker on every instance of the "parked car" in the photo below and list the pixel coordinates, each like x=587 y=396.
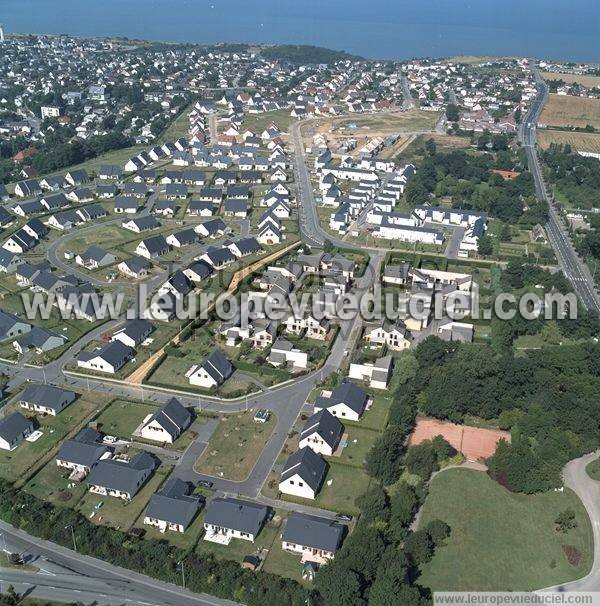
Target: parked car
x=205 y=483
x=344 y=517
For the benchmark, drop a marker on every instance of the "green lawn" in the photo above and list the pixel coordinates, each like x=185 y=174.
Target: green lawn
x=27 y=456
x=501 y=541
x=593 y=470
x=118 y=513
x=52 y=484
x=122 y=417
x=235 y=446
x=359 y=442
x=258 y=122
x=347 y=484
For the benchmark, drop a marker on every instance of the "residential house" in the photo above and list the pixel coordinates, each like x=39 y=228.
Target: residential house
x=45 y=399
x=110 y=358
x=173 y=507
x=133 y=333
x=228 y=518
x=14 y=428
x=315 y=538
x=322 y=432
x=120 y=478
x=212 y=372
x=346 y=401
x=82 y=452
x=303 y=474
x=167 y=423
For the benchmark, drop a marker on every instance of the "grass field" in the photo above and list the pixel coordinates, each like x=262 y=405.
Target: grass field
x=501 y=540
x=258 y=122
x=52 y=484
x=587 y=81
x=235 y=446
x=121 y=418
x=28 y=455
x=589 y=142
x=565 y=110
x=593 y=470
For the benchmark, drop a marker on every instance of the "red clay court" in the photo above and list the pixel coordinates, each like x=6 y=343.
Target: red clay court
x=475 y=443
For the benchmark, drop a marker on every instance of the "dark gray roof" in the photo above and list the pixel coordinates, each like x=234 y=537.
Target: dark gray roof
x=247 y=245
x=312 y=531
x=217 y=366
x=147 y=222
x=48 y=396
x=214 y=225
x=84 y=449
x=173 y=417
x=136 y=264
x=326 y=426
x=114 y=353
x=174 y=504
x=7 y=321
x=346 y=393
x=236 y=514
x=156 y=244
x=136 y=329
x=13 y=425
x=308 y=465
x=125 y=476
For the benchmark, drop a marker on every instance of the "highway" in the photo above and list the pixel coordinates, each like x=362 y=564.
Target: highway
x=66 y=576
x=571 y=264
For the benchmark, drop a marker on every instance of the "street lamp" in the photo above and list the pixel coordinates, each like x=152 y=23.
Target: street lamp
x=72 y=536
x=181 y=564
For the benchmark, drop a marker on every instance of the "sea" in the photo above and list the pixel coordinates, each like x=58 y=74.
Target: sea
x=567 y=30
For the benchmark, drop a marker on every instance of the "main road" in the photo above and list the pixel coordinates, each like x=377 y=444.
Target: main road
x=572 y=265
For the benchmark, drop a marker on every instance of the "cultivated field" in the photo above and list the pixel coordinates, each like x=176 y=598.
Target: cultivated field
x=565 y=110
x=587 y=81
x=502 y=541
x=588 y=142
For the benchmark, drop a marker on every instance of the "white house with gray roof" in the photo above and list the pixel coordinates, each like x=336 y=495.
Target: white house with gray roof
x=110 y=358
x=45 y=399
x=173 y=507
x=316 y=539
x=167 y=423
x=121 y=478
x=303 y=474
x=227 y=519
x=14 y=428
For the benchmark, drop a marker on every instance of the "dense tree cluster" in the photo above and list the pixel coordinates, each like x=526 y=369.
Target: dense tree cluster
x=304 y=54
x=469 y=181
x=548 y=398
x=223 y=578
x=378 y=564
x=575 y=176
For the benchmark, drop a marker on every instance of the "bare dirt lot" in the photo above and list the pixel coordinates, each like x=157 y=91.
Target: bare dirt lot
x=565 y=110
x=474 y=442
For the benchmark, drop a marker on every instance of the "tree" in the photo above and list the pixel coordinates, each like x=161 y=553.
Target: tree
x=406 y=367
x=438 y=530
x=403 y=506
x=374 y=504
x=485 y=245
x=14 y=559
x=384 y=460
x=391 y=585
x=452 y=113
x=566 y=521
x=430 y=147
x=339 y=586
x=421 y=460
x=419 y=547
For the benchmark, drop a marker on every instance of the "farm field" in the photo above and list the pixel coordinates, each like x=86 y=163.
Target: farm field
x=588 y=142
x=502 y=541
x=413 y=119
x=566 y=110
x=588 y=81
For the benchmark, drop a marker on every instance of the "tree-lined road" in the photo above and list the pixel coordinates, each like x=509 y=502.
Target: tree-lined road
x=571 y=264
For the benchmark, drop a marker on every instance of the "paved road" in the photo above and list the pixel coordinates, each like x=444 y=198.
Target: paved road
x=68 y=575
x=408 y=98
x=571 y=264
